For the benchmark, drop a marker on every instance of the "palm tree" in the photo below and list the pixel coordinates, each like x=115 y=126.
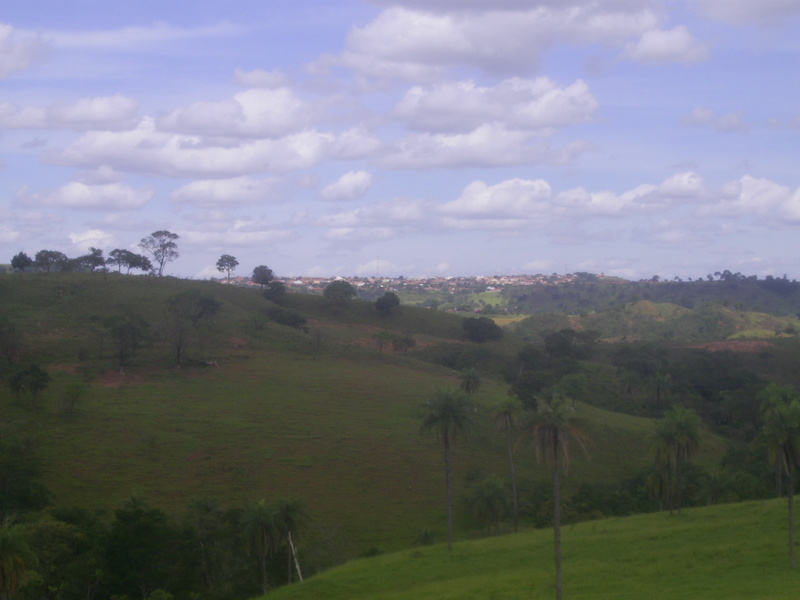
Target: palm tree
x=781 y=431
x=489 y=500
x=553 y=429
x=773 y=396
x=505 y=414
x=290 y=516
x=447 y=414
x=471 y=381
x=259 y=525
x=15 y=556
x=677 y=440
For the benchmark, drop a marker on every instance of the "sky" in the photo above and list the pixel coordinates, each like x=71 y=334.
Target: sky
x=406 y=137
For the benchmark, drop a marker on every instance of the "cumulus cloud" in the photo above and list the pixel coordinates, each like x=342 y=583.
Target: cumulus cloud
x=8 y=235
x=378 y=267
x=704 y=117
x=748 y=12
x=259 y=78
x=253 y=113
x=749 y=196
x=236 y=190
x=147 y=150
x=489 y=145
x=516 y=198
x=349 y=186
x=657 y=47
x=19 y=52
x=92 y=238
x=107 y=112
x=420 y=44
x=104 y=196
x=395 y=212
x=529 y=104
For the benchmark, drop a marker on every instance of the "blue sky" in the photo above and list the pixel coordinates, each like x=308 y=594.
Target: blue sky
x=410 y=137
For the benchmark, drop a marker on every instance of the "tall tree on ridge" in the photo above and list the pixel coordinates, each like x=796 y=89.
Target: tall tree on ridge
x=161 y=244
x=447 y=414
x=551 y=433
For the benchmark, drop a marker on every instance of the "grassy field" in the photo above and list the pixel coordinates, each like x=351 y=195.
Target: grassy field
x=319 y=414
x=728 y=552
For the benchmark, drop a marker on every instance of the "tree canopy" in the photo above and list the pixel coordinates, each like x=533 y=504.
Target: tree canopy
x=161 y=244
x=227 y=264
x=339 y=291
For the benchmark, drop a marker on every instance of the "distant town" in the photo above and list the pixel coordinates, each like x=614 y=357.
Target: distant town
x=442 y=284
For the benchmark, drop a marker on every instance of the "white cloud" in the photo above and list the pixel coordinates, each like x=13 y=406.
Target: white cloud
x=236 y=190
x=8 y=235
x=516 y=198
x=791 y=208
x=19 y=52
x=104 y=196
x=92 y=238
x=106 y=112
x=750 y=196
x=380 y=268
x=529 y=104
x=259 y=78
x=704 y=117
x=349 y=186
x=153 y=152
x=748 y=12
x=489 y=145
x=676 y=45
x=396 y=212
x=417 y=44
x=252 y=113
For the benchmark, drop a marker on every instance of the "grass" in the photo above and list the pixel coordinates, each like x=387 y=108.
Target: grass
x=729 y=552
x=316 y=415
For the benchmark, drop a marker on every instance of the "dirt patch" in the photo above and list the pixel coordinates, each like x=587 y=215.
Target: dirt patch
x=735 y=346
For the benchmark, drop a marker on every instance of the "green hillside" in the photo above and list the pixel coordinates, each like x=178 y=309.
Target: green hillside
x=318 y=413
x=729 y=552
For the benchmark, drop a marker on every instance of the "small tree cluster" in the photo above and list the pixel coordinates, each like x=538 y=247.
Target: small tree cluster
x=161 y=245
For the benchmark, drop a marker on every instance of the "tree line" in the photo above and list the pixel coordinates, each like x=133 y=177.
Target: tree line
x=141 y=552
x=160 y=245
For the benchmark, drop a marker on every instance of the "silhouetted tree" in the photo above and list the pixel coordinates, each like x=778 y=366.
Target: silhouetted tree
x=161 y=244
x=339 y=291
x=262 y=275
x=50 y=259
x=227 y=264
x=20 y=262
x=387 y=303
x=130 y=260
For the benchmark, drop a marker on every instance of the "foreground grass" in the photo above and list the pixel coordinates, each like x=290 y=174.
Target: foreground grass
x=729 y=552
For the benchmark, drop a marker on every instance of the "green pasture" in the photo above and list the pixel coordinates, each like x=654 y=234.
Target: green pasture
x=729 y=552
x=316 y=414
